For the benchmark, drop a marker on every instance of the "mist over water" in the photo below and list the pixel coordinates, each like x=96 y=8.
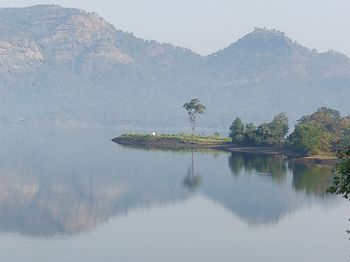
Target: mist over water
x=68 y=193
x=71 y=80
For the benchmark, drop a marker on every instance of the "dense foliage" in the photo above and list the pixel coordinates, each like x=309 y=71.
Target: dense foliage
x=273 y=133
x=341 y=183
x=317 y=133
x=310 y=138
x=237 y=131
x=314 y=134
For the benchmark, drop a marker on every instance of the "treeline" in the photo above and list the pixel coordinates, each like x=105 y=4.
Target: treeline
x=266 y=134
x=313 y=134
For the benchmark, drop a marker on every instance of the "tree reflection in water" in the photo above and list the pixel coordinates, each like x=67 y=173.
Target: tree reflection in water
x=52 y=183
x=258 y=164
x=313 y=180
x=191 y=180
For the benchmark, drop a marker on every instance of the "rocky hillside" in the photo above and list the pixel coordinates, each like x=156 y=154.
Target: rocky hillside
x=60 y=64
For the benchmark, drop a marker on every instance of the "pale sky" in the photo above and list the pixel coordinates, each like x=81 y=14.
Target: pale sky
x=206 y=26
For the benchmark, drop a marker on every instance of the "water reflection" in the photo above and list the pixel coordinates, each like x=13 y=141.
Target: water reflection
x=311 y=179
x=241 y=163
x=191 y=180
x=61 y=181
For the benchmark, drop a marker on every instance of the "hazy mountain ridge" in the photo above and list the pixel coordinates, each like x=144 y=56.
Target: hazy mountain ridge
x=61 y=64
x=264 y=51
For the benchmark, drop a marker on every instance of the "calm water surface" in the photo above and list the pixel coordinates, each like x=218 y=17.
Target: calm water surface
x=67 y=193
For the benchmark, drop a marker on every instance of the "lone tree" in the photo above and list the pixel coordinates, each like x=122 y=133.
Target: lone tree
x=193 y=108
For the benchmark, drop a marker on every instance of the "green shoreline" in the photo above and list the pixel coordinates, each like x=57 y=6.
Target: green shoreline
x=183 y=142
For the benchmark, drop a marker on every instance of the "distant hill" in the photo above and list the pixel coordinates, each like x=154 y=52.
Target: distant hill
x=269 y=54
x=60 y=64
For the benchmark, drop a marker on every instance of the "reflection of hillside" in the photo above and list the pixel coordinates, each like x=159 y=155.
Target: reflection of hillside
x=64 y=182
x=255 y=197
x=34 y=207
x=21 y=191
x=67 y=206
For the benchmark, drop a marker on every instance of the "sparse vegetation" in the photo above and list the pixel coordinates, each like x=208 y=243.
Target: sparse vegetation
x=177 y=138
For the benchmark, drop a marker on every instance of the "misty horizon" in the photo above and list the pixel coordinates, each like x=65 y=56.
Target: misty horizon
x=187 y=131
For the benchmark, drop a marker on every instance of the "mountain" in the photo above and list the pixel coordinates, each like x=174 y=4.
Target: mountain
x=263 y=52
x=61 y=64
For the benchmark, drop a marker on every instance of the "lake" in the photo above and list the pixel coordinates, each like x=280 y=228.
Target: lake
x=67 y=193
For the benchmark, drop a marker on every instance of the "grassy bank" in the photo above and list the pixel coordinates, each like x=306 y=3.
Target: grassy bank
x=172 y=140
x=187 y=141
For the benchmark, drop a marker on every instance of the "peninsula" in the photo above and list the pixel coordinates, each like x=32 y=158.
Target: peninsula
x=198 y=142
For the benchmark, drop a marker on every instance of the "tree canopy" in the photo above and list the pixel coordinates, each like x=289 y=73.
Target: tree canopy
x=314 y=134
x=317 y=133
x=341 y=183
x=237 y=131
x=193 y=108
x=273 y=133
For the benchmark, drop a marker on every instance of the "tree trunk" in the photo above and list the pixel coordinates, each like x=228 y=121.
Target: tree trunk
x=193 y=127
x=192 y=167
